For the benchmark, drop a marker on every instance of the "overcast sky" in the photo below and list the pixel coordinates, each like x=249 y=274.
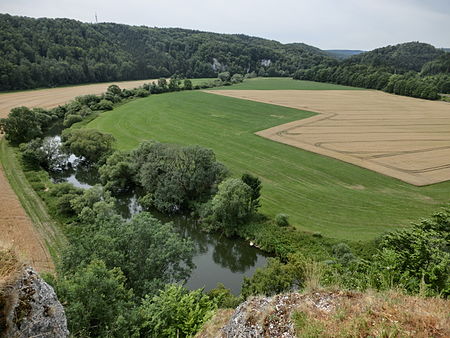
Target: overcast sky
x=327 y=24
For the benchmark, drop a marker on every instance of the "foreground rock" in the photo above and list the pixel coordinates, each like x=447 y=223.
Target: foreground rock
x=30 y=308
x=334 y=314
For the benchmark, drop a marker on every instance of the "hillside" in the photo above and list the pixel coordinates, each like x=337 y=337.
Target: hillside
x=51 y=52
x=410 y=56
x=410 y=69
x=343 y=53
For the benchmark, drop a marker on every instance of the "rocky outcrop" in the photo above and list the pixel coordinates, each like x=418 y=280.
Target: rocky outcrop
x=30 y=308
x=271 y=316
x=333 y=313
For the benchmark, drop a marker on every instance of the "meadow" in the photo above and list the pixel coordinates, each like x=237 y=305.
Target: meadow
x=284 y=83
x=320 y=194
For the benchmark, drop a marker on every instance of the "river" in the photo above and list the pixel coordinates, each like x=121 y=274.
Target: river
x=217 y=259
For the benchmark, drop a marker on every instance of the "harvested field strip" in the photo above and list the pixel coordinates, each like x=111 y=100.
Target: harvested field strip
x=402 y=137
x=32 y=234
x=53 y=97
x=319 y=193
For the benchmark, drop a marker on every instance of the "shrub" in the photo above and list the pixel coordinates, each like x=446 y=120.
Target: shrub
x=105 y=105
x=70 y=119
x=237 y=78
x=282 y=220
x=175 y=312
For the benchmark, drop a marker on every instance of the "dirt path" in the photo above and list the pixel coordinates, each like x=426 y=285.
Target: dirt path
x=52 y=97
x=17 y=230
x=398 y=136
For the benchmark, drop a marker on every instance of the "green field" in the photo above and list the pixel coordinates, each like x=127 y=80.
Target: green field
x=319 y=193
x=283 y=83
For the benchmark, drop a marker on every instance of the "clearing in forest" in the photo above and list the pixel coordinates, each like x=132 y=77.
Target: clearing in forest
x=398 y=136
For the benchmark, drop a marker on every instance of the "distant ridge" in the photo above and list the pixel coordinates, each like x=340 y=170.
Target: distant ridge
x=343 y=53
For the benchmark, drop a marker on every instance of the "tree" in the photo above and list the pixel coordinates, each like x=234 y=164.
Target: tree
x=90 y=144
x=117 y=174
x=175 y=178
x=21 y=125
x=175 y=312
x=255 y=184
x=224 y=76
x=96 y=301
x=150 y=253
x=232 y=205
x=237 y=78
x=44 y=153
x=187 y=84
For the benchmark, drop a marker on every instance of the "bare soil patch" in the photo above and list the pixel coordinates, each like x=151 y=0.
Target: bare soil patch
x=397 y=136
x=18 y=233
x=53 y=97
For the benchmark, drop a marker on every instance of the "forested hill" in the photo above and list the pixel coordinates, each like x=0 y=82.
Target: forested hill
x=50 y=52
x=410 y=56
x=411 y=69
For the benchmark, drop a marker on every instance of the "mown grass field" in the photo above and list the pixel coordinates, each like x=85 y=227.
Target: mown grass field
x=319 y=193
x=284 y=83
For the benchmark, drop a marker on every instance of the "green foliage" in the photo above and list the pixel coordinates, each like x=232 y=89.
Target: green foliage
x=232 y=205
x=149 y=253
x=278 y=277
x=71 y=119
x=224 y=76
x=237 y=78
x=223 y=297
x=44 y=153
x=404 y=57
x=104 y=105
x=24 y=124
x=419 y=256
x=174 y=312
x=187 y=84
x=117 y=174
x=282 y=220
x=255 y=184
x=51 y=52
x=96 y=301
x=176 y=177
x=65 y=193
x=90 y=144
x=88 y=204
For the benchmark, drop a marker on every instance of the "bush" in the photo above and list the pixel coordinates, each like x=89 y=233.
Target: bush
x=105 y=105
x=70 y=119
x=282 y=220
x=224 y=76
x=141 y=92
x=237 y=78
x=187 y=84
x=175 y=312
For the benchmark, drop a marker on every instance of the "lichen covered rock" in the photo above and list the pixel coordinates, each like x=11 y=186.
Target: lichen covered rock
x=31 y=308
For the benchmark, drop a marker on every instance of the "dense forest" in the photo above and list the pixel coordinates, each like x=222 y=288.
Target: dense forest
x=51 y=52
x=411 y=69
